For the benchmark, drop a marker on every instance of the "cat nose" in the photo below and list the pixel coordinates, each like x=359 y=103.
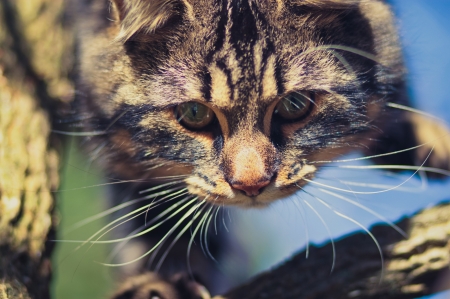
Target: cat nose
x=251 y=190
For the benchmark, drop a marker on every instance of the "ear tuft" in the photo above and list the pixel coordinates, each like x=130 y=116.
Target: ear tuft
x=144 y=16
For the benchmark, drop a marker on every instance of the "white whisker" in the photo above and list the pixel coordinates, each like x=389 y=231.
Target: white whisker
x=397 y=167
x=360 y=225
x=202 y=229
x=326 y=227
x=372 y=192
x=371 y=236
x=379 y=186
x=215 y=219
x=305 y=224
x=208 y=252
x=191 y=241
x=80 y=134
x=174 y=241
x=417 y=111
x=109 y=211
x=188 y=213
x=379 y=216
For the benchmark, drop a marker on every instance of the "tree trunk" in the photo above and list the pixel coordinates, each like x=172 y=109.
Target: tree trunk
x=34 y=64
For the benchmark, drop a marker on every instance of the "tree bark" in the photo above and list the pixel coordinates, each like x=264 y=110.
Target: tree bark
x=34 y=68
x=414 y=266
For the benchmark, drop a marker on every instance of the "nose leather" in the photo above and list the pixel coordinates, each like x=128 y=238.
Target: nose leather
x=251 y=190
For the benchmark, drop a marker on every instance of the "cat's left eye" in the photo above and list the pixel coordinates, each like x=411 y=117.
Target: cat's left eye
x=193 y=115
x=295 y=105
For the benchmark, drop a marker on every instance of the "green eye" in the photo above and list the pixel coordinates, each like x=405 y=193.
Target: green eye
x=295 y=105
x=193 y=115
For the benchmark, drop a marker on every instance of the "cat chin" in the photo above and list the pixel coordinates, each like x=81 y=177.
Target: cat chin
x=240 y=200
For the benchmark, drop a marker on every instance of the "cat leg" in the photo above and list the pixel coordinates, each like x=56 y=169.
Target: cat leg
x=153 y=286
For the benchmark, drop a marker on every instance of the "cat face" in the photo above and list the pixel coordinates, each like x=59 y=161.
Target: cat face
x=243 y=98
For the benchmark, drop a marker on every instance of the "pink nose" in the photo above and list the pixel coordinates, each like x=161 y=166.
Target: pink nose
x=252 y=190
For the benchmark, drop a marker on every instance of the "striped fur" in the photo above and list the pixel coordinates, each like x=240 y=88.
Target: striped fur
x=238 y=57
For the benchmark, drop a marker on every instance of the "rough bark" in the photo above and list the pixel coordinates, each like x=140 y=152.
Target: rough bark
x=414 y=266
x=33 y=80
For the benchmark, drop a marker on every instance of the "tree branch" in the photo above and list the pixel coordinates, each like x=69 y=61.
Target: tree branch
x=412 y=266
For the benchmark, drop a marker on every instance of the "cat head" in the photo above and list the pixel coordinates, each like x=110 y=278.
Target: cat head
x=243 y=97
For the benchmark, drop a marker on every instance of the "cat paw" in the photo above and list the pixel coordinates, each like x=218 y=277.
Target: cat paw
x=433 y=137
x=153 y=286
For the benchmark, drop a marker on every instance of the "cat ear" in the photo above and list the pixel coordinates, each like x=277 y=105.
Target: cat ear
x=146 y=16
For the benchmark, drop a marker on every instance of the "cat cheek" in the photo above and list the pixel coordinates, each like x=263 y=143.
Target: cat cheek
x=293 y=174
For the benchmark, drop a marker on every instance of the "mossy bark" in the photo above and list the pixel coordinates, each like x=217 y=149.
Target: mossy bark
x=34 y=67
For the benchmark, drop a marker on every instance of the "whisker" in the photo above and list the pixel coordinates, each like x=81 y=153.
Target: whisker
x=116 y=119
x=180 y=234
x=155 y=253
x=413 y=110
x=326 y=227
x=121 y=245
x=80 y=134
x=98 y=185
x=148 y=229
x=383 y=154
x=188 y=213
x=169 y=177
x=397 y=167
x=111 y=210
x=223 y=219
x=361 y=226
x=379 y=216
x=215 y=219
x=202 y=229
x=344 y=62
x=191 y=241
x=305 y=225
x=89 y=240
x=378 y=186
x=373 y=192
x=159 y=187
x=345 y=48
x=195 y=213
x=171 y=196
x=206 y=236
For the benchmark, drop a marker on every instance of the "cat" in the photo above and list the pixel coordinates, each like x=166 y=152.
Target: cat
x=198 y=104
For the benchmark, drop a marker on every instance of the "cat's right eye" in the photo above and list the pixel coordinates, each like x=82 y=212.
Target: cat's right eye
x=193 y=115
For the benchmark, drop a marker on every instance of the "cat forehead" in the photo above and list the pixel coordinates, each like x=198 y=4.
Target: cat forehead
x=244 y=57
x=238 y=52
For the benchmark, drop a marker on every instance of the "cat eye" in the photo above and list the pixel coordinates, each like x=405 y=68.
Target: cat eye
x=193 y=115
x=295 y=105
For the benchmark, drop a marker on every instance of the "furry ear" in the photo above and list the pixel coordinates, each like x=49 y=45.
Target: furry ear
x=145 y=16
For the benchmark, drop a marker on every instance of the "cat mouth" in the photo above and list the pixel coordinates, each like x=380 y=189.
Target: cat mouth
x=270 y=194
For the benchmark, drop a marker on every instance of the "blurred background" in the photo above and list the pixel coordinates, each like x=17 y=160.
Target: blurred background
x=273 y=234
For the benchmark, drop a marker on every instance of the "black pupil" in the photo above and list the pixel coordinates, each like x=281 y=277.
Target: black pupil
x=194 y=110
x=296 y=103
